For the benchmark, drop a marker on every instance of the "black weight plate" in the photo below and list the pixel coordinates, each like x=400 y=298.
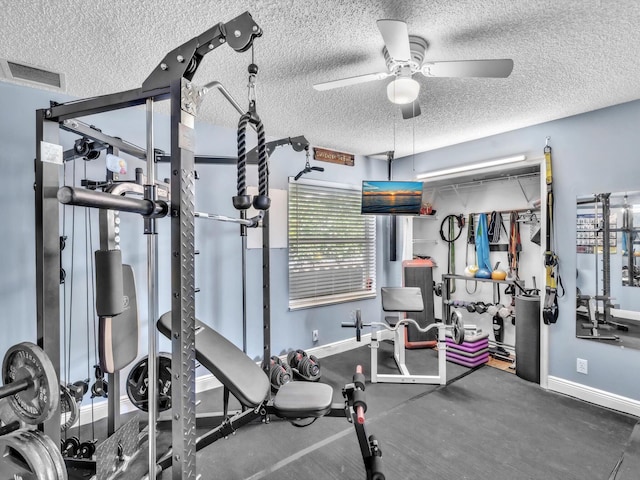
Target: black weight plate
x=457 y=326
x=69 y=409
x=138 y=383
x=36 y=404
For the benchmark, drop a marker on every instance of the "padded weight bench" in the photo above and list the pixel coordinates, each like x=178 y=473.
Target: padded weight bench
x=399 y=300
x=248 y=383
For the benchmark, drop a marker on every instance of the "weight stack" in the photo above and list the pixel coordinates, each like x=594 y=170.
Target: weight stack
x=528 y=337
x=419 y=273
x=472 y=352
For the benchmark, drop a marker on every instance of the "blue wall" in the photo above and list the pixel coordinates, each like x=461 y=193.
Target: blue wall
x=592 y=152
x=218 y=267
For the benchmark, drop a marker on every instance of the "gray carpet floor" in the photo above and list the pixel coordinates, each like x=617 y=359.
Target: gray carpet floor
x=485 y=424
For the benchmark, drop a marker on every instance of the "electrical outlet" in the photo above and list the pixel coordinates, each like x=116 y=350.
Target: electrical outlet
x=314 y=335
x=582 y=366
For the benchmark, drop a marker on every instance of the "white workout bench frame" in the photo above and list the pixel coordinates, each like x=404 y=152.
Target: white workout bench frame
x=408 y=299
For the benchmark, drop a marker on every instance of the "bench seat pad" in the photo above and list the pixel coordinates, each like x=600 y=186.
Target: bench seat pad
x=245 y=380
x=303 y=400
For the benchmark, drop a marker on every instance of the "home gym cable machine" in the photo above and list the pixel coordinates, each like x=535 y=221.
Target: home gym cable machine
x=170 y=80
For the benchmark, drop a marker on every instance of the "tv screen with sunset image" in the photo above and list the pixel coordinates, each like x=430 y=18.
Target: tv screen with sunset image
x=392 y=198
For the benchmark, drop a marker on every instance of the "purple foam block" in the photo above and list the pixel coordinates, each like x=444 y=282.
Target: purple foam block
x=462 y=353
x=469 y=347
x=471 y=341
x=466 y=361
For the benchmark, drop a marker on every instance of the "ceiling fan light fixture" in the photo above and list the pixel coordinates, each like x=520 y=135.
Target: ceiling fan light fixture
x=403 y=90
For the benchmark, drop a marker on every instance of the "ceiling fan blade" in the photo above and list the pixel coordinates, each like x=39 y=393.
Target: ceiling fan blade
x=469 y=68
x=396 y=38
x=410 y=110
x=345 y=82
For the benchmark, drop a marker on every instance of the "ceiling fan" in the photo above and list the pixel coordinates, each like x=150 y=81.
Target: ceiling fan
x=404 y=56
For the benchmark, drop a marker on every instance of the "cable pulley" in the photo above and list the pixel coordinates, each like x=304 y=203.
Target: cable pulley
x=307 y=166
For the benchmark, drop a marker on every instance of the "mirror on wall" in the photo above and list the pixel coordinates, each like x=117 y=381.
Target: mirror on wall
x=608 y=268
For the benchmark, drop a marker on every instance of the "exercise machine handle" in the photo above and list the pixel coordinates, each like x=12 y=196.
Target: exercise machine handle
x=360 y=415
x=242 y=201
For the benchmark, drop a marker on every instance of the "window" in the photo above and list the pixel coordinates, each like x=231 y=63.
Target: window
x=332 y=247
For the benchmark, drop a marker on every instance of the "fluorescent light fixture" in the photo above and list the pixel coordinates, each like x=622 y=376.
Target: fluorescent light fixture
x=403 y=90
x=473 y=166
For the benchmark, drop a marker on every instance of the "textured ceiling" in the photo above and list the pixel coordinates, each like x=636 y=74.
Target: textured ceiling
x=570 y=56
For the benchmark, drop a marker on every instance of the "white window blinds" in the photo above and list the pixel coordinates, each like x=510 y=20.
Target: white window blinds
x=332 y=247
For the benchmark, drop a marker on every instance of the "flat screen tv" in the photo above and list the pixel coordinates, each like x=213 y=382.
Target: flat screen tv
x=391 y=198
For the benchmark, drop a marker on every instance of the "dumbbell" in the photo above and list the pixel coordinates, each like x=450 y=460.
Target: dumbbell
x=307 y=366
x=279 y=373
x=480 y=307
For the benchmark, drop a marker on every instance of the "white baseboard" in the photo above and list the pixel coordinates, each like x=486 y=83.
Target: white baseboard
x=208 y=381
x=594 y=395
x=339 y=347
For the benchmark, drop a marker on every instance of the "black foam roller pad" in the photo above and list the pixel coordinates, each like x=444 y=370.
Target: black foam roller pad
x=109 y=290
x=528 y=337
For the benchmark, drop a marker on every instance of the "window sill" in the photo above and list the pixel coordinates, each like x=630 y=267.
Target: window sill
x=329 y=300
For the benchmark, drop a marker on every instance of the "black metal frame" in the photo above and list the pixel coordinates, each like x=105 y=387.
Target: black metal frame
x=165 y=82
x=298 y=144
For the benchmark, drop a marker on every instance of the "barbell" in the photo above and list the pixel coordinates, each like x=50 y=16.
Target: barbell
x=30 y=383
x=456 y=326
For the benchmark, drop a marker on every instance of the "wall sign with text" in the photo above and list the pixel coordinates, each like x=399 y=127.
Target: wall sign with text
x=332 y=156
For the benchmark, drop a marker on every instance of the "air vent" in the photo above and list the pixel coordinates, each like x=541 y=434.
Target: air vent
x=21 y=72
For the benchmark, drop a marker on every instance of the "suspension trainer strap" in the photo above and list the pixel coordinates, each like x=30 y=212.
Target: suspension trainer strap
x=550 y=309
x=452 y=254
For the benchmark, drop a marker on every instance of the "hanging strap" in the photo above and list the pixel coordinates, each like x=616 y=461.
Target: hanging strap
x=450 y=222
x=471 y=229
x=471 y=239
x=495 y=225
x=550 y=308
x=452 y=254
x=515 y=245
